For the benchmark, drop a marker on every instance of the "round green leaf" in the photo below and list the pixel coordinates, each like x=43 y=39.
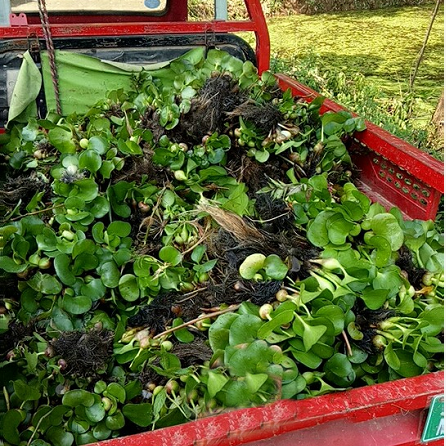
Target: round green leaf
x=119 y=228
x=115 y=421
x=128 y=287
x=76 y=304
x=63 y=269
x=101 y=432
x=78 y=397
x=58 y=436
x=170 y=255
x=95 y=413
x=99 y=144
x=140 y=414
x=62 y=140
x=275 y=268
x=117 y=391
x=11 y=421
x=110 y=274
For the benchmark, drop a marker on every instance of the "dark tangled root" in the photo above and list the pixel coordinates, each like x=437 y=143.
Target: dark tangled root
x=405 y=262
x=265 y=117
x=21 y=188
x=17 y=332
x=86 y=353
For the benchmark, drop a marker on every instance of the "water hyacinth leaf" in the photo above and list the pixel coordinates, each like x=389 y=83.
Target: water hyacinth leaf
x=308 y=359
x=119 y=228
x=183 y=334
x=117 y=391
x=336 y=316
x=198 y=253
x=99 y=207
x=339 y=365
x=216 y=382
x=61 y=319
x=386 y=225
x=63 y=270
x=435 y=321
x=294 y=387
x=110 y=274
x=171 y=255
x=11 y=421
x=140 y=414
x=45 y=283
x=94 y=289
x=253 y=358
x=317 y=232
x=374 y=298
x=10 y=266
x=115 y=421
x=78 y=426
x=98 y=144
x=95 y=413
x=26 y=392
x=244 y=329
x=236 y=394
x=62 y=140
x=408 y=367
x=85 y=438
x=392 y=358
x=77 y=304
x=255 y=381
x=78 y=397
x=101 y=431
x=283 y=318
x=275 y=268
x=86 y=189
x=90 y=160
x=383 y=248
x=128 y=287
x=358 y=355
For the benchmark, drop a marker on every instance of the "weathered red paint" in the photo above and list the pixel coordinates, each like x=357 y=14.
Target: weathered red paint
x=397 y=407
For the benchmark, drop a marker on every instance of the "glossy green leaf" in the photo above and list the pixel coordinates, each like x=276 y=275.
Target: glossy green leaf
x=170 y=255
x=76 y=304
x=26 y=392
x=216 y=382
x=275 y=268
x=78 y=397
x=63 y=269
x=90 y=160
x=11 y=421
x=59 y=437
x=62 y=140
x=110 y=274
x=128 y=287
x=115 y=421
x=140 y=414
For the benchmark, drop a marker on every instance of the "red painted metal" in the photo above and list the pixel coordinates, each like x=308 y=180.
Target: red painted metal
x=393 y=172
x=307 y=422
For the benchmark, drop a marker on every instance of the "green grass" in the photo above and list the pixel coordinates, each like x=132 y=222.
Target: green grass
x=381 y=44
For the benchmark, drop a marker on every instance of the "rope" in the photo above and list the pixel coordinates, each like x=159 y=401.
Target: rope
x=51 y=54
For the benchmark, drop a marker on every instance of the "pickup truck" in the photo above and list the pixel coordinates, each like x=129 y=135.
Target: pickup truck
x=393 y=173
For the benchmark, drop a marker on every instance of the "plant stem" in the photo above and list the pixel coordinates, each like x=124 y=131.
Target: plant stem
x=34 y=213
x=347 y=343
x=191 y=322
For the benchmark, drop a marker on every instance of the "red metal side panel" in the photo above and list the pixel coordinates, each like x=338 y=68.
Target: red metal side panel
x=286 y=417
x=393 y=172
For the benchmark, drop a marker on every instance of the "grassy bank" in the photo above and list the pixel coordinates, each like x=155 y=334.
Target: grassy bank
x=367 y=56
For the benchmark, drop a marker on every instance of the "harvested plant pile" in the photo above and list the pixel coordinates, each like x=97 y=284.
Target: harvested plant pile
x=195 y=244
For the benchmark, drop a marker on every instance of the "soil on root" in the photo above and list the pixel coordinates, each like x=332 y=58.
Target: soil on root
x=17 y=332
x=216 y=108
x=405 y=262
x=367 y=321
x=21 y=190
x=86 y=353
